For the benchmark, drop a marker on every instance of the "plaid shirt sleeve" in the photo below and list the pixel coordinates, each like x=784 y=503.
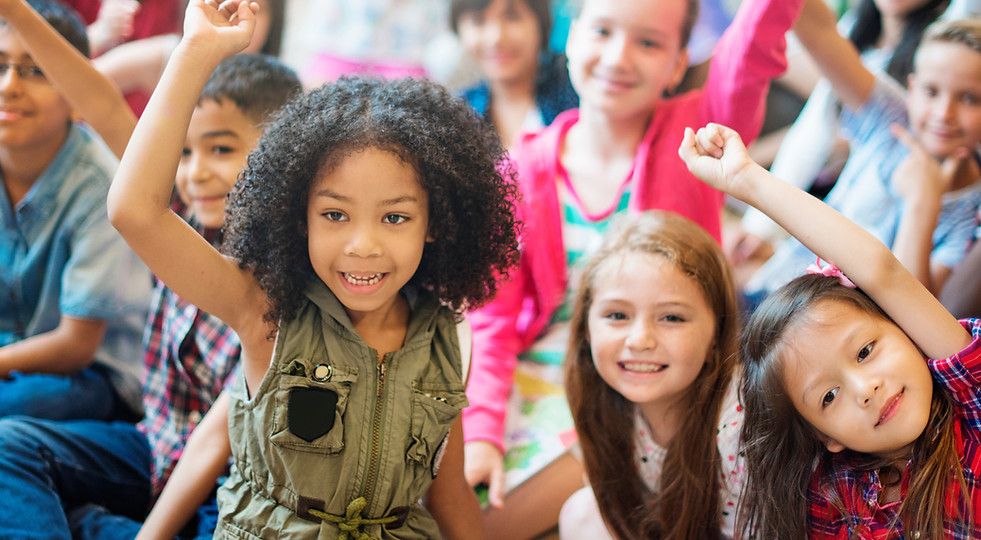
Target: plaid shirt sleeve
x=961 y=375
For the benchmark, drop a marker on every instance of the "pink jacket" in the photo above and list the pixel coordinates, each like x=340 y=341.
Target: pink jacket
x=748 y=55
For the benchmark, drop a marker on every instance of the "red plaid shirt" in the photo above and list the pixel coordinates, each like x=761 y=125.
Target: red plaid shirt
x=859 y=490
x=190 y=355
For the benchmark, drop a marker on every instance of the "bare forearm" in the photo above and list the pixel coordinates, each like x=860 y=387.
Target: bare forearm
x=834 y=55
x=450 y=499
x=91 y=95
x=137 y=65
x=877 y=271
x=60 y=351
x=193 y=479
x=914 y=239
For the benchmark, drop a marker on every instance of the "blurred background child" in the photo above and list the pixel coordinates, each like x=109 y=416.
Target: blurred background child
x=524 y=85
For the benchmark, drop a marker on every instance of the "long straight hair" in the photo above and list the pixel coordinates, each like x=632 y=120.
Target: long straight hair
x=687 y=504
x=777 y=438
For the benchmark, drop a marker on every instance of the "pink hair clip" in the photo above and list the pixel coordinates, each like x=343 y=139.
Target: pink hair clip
x=830 y=271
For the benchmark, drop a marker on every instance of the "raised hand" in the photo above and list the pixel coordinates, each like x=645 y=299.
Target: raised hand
x=113 y=25
x=223 y=28
x=717 y=156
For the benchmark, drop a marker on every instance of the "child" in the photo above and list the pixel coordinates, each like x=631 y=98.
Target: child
x=886 y=34
x=834 y=377
x=525 y=85
x=616 y=151
x=74 y=295
x=189 y=355
x=652 y=349
x=939 y=111
x=369 y=213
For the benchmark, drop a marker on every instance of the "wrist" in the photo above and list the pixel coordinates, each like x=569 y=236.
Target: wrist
x=197 y=53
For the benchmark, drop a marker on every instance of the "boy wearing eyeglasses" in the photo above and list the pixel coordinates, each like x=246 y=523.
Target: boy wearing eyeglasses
x=73 y=297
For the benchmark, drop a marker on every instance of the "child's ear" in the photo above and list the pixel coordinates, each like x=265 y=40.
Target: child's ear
x=680 y=68
x=832 y=445
x=910 y=81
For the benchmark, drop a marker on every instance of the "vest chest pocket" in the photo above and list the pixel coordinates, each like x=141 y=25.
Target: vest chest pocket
x=310 y=403
x=433 y=411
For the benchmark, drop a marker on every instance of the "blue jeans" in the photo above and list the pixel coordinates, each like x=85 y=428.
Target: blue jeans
x=87 y=394
x=48 y=469
x=92 y=522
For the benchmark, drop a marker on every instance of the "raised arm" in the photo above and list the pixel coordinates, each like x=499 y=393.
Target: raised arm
x=750 y=53
x=835 y=56
x=139 y=198
x=91 y=95
x=718 y=157
x=136 y=66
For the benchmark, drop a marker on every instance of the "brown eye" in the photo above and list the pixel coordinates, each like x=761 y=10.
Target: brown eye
x=865 y=352
x=829 y=397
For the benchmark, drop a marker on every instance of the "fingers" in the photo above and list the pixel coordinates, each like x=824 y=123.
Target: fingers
x=495 y=490
x=952 y=163
x=711 y=140
x=687 y=150
x=708 y=141
x=904 y=136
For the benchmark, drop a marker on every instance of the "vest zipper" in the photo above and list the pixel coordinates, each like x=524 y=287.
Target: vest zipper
x=375 y=435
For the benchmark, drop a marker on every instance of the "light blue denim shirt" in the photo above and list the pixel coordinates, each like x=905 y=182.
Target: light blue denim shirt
x=60 y=256
x=864 y=192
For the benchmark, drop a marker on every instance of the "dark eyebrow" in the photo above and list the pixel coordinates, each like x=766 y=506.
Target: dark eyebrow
x=397 y=200
x=387 y=202
x=220 y=133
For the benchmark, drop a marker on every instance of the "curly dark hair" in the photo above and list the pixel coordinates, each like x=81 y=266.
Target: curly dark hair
x=459 y=159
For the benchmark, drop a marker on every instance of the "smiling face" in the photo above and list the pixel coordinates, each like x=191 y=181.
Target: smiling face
x=944 y=99
x=650 y=330
x=367 y=224
x=33 y=115
x=623 y=55
x=504 y=38
x=857 y=378
x=218 y=141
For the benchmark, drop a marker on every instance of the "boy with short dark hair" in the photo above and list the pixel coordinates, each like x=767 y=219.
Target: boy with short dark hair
x=84 y=479
x=74 y=295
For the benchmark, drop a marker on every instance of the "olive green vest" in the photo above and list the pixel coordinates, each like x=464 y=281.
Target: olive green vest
x=330 y=425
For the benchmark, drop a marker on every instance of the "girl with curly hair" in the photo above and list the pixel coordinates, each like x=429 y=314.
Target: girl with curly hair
x=370 y=215
x=861 y=392
x=649 y=381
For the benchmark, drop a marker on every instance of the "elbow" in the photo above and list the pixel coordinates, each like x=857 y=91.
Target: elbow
x=126 y=215
x=119 y=215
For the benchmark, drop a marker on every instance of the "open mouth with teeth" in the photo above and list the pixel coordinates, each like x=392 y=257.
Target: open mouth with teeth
x=363 y=281
x=642 y=367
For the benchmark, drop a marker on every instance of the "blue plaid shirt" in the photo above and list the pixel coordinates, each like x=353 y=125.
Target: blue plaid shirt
x=60 y=256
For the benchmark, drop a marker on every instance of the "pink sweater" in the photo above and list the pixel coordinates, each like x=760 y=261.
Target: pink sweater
x=748 y=55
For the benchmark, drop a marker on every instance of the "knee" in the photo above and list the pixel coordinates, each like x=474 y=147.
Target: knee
x=580 y=516
x=20 y=440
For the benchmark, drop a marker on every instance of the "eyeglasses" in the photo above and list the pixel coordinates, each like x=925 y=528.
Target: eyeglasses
x=27 y=72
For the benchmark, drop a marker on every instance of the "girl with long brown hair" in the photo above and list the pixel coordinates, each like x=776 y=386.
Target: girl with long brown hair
x=862 y=393
x=649 y=382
